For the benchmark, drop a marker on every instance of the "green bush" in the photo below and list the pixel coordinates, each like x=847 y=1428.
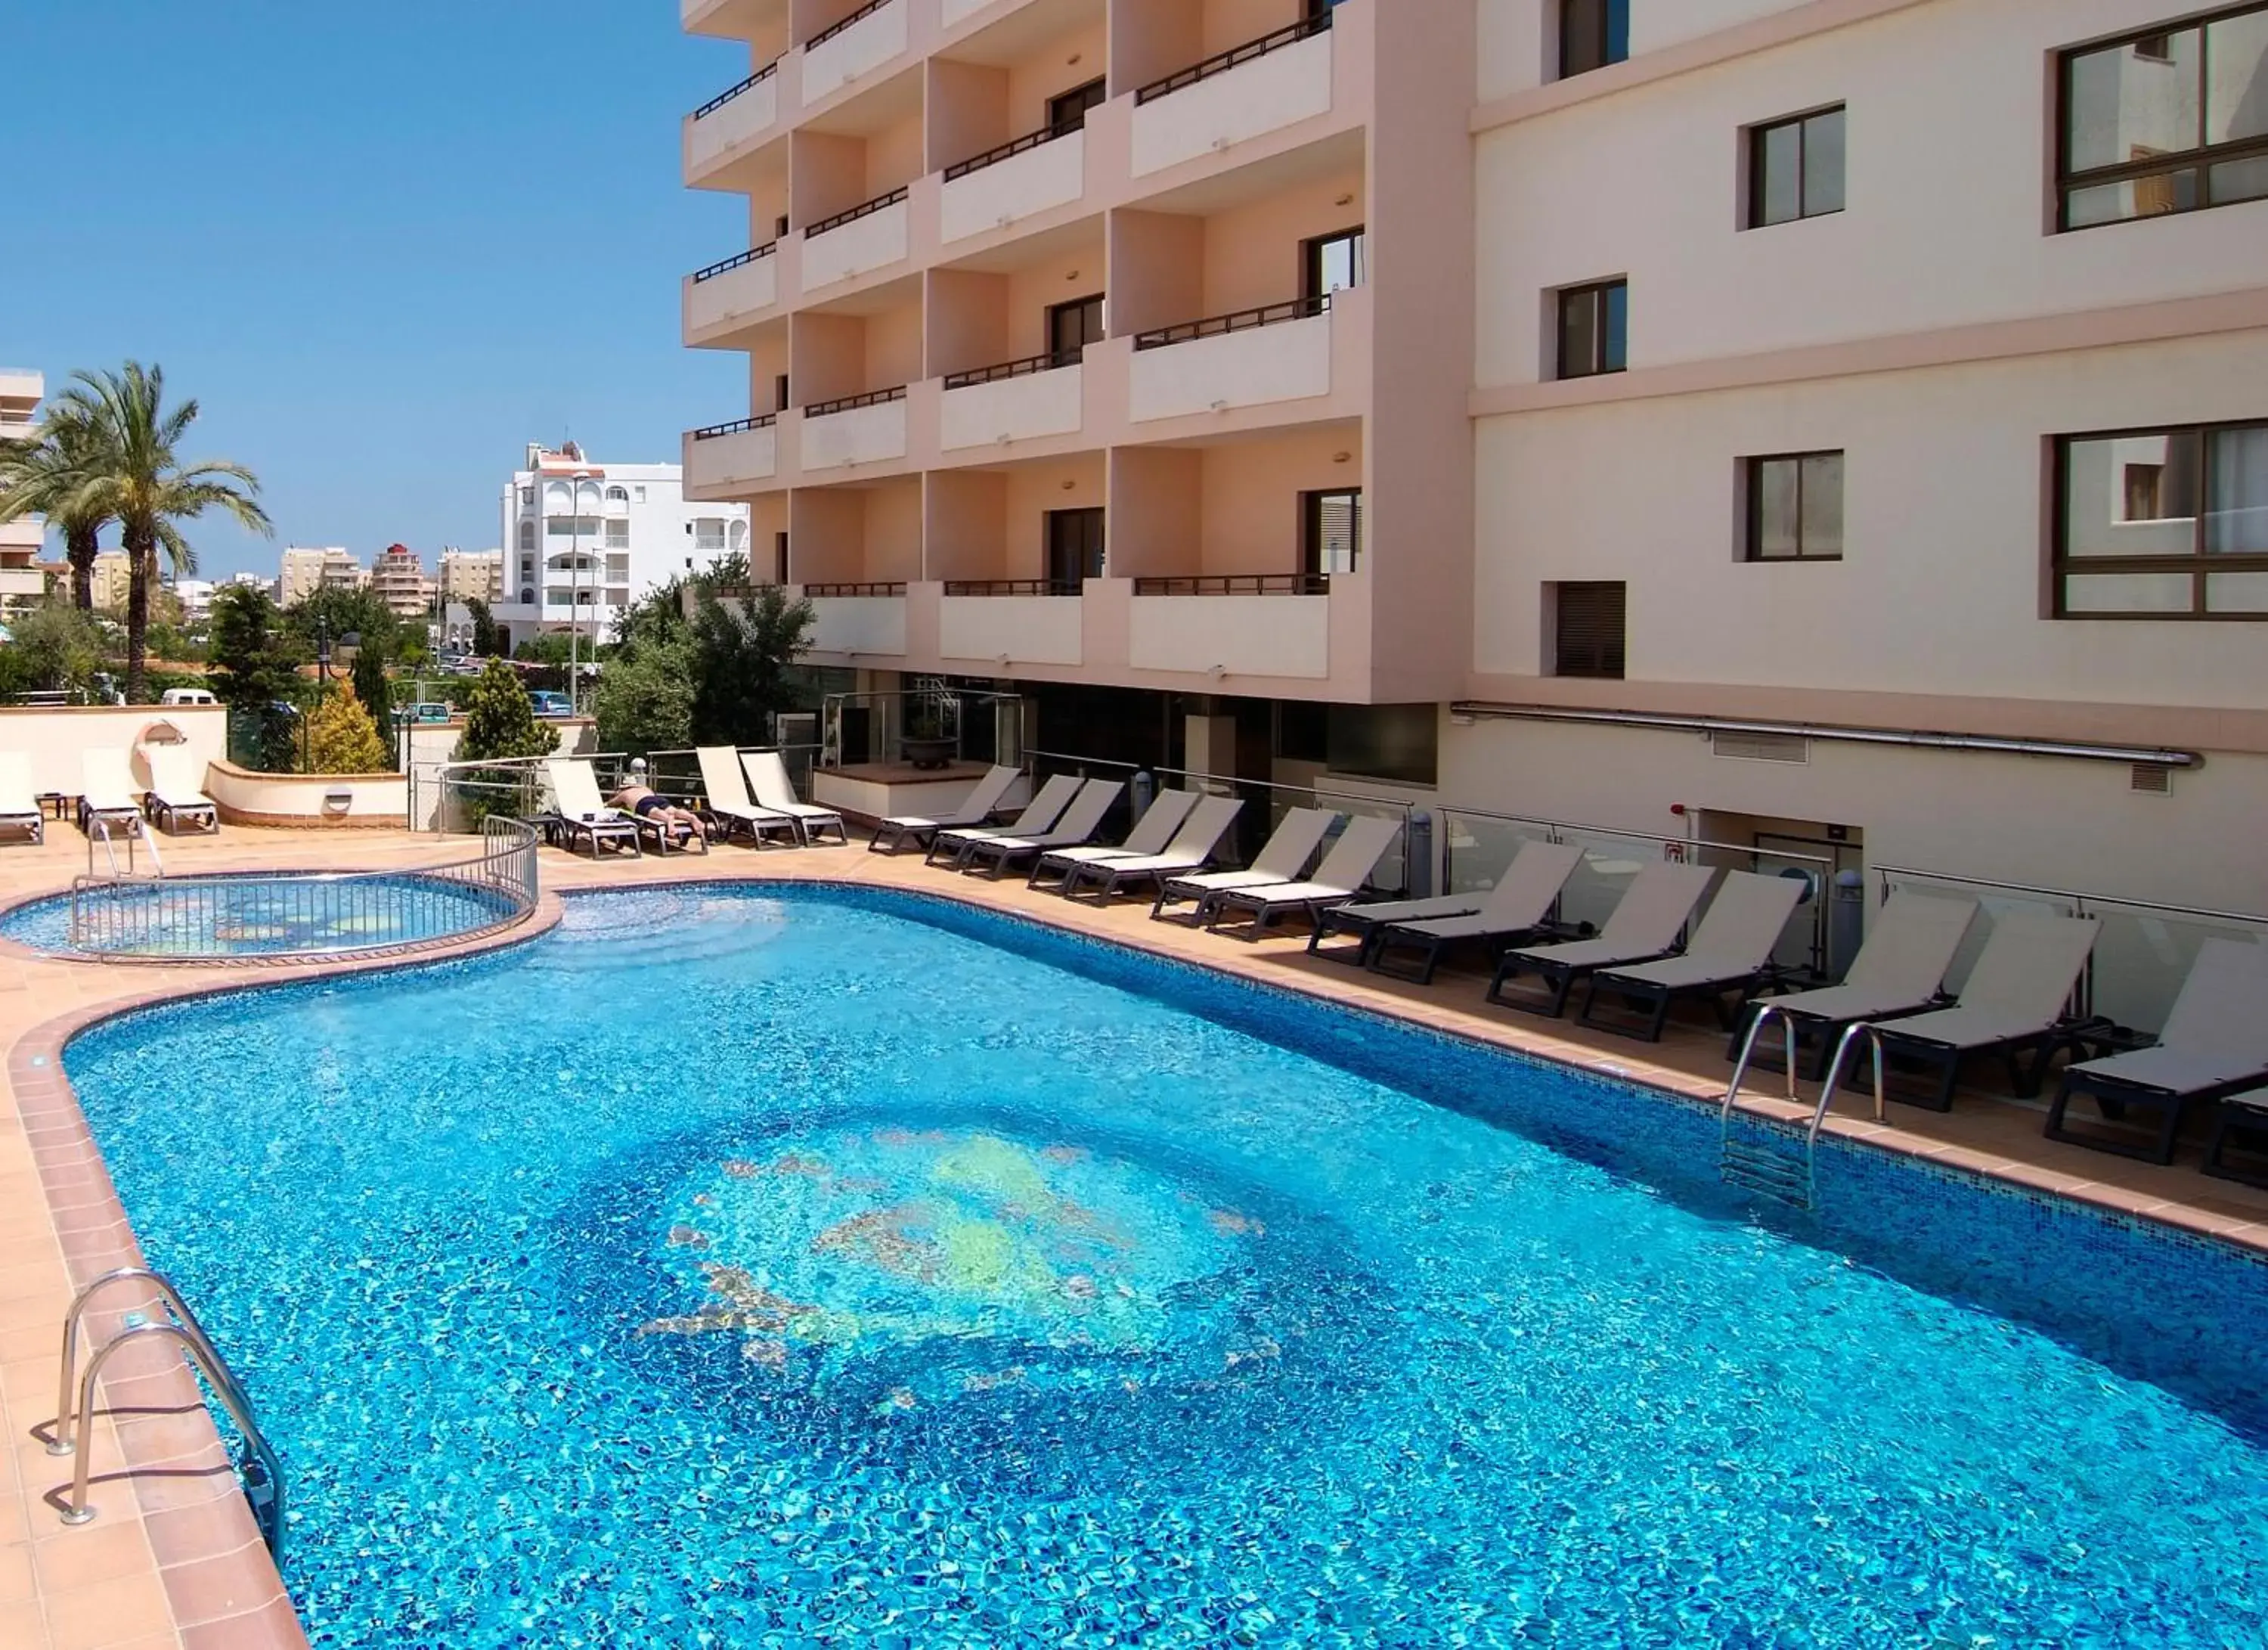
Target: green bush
x=644 y=703
x=500 y=725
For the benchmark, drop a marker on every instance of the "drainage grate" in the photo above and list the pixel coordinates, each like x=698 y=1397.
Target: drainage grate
x=1761 y=747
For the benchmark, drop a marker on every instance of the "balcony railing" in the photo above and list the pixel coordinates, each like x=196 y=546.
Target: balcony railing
x=731 y=264
x=1236 y=320
x=833 y=29
x=1238 y=585
x=1010 y=149
x=713 y=431
x=876 y=587
x=1221 y=63
x=722 y=98
x=1012 y=588
x=851 y=403
x=1023 y=368
x=858 y=211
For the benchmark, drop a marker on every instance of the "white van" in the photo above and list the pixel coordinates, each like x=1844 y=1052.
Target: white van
x=187 y=696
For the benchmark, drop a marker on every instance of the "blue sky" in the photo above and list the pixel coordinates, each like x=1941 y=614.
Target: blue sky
x=383 y=246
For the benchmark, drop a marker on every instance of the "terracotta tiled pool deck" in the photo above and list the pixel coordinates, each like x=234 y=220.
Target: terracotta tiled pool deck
x=174 y=1558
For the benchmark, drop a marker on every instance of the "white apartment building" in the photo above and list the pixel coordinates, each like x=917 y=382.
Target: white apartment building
x=22 y=582
x=588 y=539
x=471 y=576
x=305 y=570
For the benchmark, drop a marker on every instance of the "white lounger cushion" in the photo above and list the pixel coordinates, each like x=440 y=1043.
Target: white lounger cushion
x=1345 y=869
x=1902 y=965
x=176 y=776
x=17 y=798
x=1039 y=813
x=775 y=791
x=107 y=782
x=1736 y=936
x=1150 y=833
x=1658 y=903
x=2217 y=1032
x=1280 y=857
x=974 y=811
x=1078 y=822
x=1192 y=845
x=576 y=789
x=2020 y=986
x=727 y=789
x=1522 y=899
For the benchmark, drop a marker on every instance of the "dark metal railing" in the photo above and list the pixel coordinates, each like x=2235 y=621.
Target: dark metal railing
x=870 y=587
x=710 y=433
x=1023 y=368
x=833 y=29
x=856 y=212
x=1235 y=321
x=729 y=264
x=724 y=96
x=1011 y=587
x=1238 y=585
x=851 y=403
x=1221 y=63
x=284 y=916
x=1010 y=149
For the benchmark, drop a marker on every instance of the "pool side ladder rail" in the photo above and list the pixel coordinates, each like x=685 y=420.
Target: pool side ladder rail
x=138 y=836
x=1760 y=1158
x=258 y=1469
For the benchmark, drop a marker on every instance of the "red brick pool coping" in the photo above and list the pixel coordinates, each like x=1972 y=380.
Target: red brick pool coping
x=224 y=1590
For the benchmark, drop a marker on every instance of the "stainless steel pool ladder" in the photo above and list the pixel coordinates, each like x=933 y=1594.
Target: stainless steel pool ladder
x=260 y=1471
x=1760 y=1160
x=139 y=835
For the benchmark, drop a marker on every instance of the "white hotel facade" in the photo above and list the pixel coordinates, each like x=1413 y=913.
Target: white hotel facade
x=1834 y=423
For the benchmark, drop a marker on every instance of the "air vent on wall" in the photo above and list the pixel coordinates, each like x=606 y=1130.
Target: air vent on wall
x=1761 y=747
x=2149 y=778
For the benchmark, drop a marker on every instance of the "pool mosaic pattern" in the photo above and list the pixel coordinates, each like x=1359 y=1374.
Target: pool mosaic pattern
x=783 y=1270
x=255 y=916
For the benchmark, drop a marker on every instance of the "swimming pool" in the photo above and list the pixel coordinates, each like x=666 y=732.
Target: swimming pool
x=833 y=1268
x=219 y=918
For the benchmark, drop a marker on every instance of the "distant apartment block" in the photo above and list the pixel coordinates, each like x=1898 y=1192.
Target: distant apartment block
x=304 y=570
x=1836 y=426
x=471 y=576
x=397 y=578
x=23 y=582
x=587 y=539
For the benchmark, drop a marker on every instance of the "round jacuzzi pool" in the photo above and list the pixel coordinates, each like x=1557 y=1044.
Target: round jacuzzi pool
x=217 y=919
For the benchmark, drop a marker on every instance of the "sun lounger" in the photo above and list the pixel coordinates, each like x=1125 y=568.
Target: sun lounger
x=2014 y=998
x=2215 y=1042
x=1900 y=969
x=1079 y=823
x=776 y=794
x=1281 y=859
x=1644 y=925
x=106 y=787
x=2241 y=1127
x=584 y=814
x=727 y=800
x=1041 y=812
x=1345 y=868
x=19 y=801
x=1728 y=954
x=1509 y=914
x=894 y=834
x=176 y=795
x=1189 y=852
x=1165 y=815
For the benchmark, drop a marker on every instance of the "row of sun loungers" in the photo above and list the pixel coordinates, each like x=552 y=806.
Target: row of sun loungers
x=747 y=794
x=173 y=800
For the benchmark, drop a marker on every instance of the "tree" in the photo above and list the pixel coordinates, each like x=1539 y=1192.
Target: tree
x=644 y=700
x=340 y=613
x=655 y=619
x=255 y=670
x=487 y=636
x=55 y=649
x=500 y=722
x=743 y=653
x=133 y=475
x=551 y=648
x=375 y=692
x=342 y=739
x=43 y=476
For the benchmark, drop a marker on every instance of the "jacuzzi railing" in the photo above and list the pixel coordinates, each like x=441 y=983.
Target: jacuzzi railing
x=193 y=919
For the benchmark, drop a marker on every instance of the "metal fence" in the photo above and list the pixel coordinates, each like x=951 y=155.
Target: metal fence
x=1476 y=846
x=2142 y=954
x=282 y=917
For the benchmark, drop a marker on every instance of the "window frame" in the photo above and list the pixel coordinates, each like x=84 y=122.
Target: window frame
x=1755 y=135
x=1312 y=251
x=2198 y=161
x=1559 y=666
x=1311 y=531
x=2199 y=563
x=1560 y=298
x=1605 y=41
x=1752 y=514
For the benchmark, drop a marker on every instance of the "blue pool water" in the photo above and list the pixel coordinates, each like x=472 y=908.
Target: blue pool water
x=253 y=915
x=829 y=1270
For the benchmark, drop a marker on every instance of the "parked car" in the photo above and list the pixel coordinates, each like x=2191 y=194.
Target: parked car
x=187 y=696
x=553 y=705
x=426 y=710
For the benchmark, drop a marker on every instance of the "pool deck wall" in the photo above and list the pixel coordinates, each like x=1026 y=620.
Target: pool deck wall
x=173 y=1560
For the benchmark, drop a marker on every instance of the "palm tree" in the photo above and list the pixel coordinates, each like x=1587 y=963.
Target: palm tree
x=40 y=476
x=132 y=474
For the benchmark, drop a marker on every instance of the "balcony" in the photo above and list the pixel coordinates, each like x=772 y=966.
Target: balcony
x=731 y=121
x=1013 y=622
x=725 y=456
x=730 y=291
x=1277 y=353
x=859 y=45
x=869 y=429
x=27 y=582
x=1031 y=174
x=1018 y=400
x=1261 y=86
x=869 y=236
x=1251 y=625
x=728 y=19
x=858 y=618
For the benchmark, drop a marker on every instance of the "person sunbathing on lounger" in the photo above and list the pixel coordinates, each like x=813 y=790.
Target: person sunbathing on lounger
x=647 y=803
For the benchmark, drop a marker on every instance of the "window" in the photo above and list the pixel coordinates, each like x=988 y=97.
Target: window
x=1795 y=168
x=1331 y=263
x=779 y=393
x=527 y=535
x=1074 y=549
x=779 y=556
x=527 y=595
x=618 y=533
x=528 y=495
x=1330 y=531
x=1068 y=113
x=2157 y=523
x=1593 y=324
x=1586 y=628
x=1795 y=507
x=1072 y=327
x=2170 y=120
x=1591 y=34
x=618 y=495
x=638 y=493
x=709 y=534
x=740 y=537
x=572 y=526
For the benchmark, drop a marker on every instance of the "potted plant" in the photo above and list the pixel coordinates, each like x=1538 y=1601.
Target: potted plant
x=928 y=741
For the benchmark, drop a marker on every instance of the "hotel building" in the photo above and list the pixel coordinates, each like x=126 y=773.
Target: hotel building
x=23 y=581
x=1834 y=423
